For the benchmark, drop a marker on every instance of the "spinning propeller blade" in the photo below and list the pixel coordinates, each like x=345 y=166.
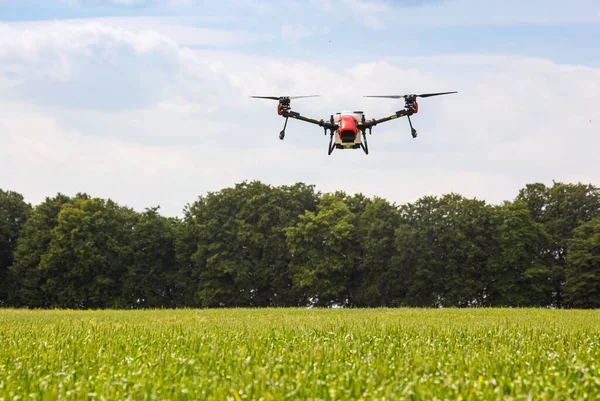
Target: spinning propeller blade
x=435 y=94
x=283 y=97
x=407 y=96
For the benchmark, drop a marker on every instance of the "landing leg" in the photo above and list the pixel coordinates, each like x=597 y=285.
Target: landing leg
x=282 y=133
x=331 y=144
x=413 y=131
x=365 y=146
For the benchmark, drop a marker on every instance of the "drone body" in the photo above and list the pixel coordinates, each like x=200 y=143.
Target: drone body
x=348 y=129
x=348 y=136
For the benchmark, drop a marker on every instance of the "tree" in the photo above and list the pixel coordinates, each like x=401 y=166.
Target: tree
x=32 y=245
x=259 y=245
x=535 y=196
x=517 y=274
x=90 y=249
x=582 y=287
x=152 y=277
x=13 y=215
x=357 y=203
x=233 y=244
x=443 y=249
x=561 y=209
x=380 y=279
x=325 y=252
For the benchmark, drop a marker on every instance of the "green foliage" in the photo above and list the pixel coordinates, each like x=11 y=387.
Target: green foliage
x=380 y=276
x=259 y=245
x=152 y=278
x=324 y=250
x=582 y=288
x=561 y=209
x=32 y=245
x=516 y=273
x=277 y=354
x=13 y=215
x=88 y=256
x=235 y=248
x=443 y=245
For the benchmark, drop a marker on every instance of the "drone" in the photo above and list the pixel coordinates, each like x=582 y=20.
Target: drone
x=349 y=128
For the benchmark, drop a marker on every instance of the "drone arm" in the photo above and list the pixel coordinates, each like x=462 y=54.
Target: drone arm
x=399 y=113
x=297 y=116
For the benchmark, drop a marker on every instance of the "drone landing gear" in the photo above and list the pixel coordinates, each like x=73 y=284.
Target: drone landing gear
x=331 y=144
x=413 y=131
x=282 y=133
x=364 y=145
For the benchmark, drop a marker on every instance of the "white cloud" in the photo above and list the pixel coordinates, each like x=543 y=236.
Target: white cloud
x=367 y=13
x=184 y=31
x=39 y=159
x=417 y=15
x=366 y=7
x=185 y=125
x=295 y=33
x=126 y=3
x=99 y=66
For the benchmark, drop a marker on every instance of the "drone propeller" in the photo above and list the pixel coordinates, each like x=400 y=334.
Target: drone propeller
x=411 y=96
x=284 y=105
x=283 y=97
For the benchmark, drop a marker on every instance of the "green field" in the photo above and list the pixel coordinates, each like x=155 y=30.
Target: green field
x=275 y=354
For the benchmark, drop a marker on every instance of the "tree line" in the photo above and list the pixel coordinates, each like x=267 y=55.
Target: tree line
x=257 y=245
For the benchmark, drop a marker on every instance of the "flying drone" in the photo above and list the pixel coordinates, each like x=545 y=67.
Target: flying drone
x=349 y=127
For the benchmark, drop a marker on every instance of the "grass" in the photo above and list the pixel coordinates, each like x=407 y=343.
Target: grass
x=277 y=354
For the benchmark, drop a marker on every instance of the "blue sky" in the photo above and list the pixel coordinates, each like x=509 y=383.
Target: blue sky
x=546 y=29
x=146 y=101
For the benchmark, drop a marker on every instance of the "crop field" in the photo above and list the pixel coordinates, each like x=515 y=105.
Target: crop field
x=318 y=354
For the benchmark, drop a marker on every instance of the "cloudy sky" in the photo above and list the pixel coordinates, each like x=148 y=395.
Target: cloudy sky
x=147 y=101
